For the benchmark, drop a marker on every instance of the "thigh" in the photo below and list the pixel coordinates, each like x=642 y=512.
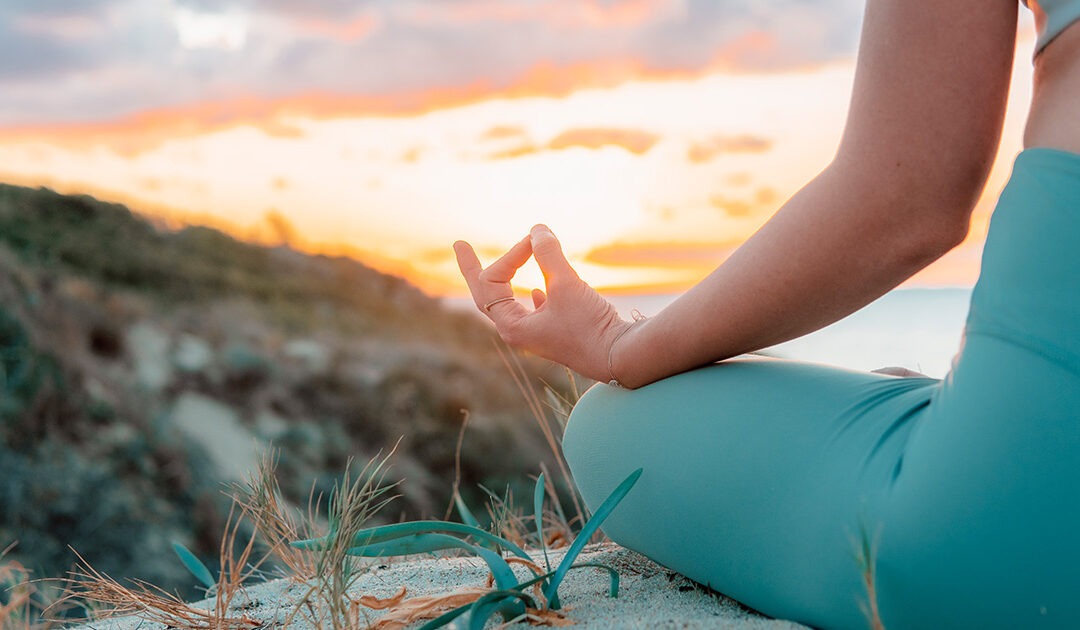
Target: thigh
x=758 y=475
x=980 y=529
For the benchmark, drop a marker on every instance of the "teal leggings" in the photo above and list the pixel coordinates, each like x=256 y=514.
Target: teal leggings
x=764 y=478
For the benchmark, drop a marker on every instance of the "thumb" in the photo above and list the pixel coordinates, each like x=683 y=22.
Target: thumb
x=549 y=255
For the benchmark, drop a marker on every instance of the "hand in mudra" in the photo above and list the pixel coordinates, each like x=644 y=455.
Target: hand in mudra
x=569 y=324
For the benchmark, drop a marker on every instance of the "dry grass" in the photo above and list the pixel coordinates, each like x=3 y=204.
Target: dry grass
x=110 y=598
x=23 y=601
x=550 y=416
x=355 y=500
x=276 y=522
x=16 y=592
x=330 y=571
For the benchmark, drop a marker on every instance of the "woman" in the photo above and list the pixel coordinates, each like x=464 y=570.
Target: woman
x=777 y=482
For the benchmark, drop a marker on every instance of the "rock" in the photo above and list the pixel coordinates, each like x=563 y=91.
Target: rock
x=216 y=427
x=270 y=425
x=307 y=353
x=192 y=354
x=149 y=347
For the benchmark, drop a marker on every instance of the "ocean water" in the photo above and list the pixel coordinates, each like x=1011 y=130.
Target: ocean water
x=919 y=329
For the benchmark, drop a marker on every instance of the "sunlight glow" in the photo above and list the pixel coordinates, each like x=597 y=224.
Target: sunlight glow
x=650 y=183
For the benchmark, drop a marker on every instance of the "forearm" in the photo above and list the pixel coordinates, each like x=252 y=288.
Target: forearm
x=835 y=246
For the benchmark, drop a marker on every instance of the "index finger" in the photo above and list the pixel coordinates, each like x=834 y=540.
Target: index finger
x=503 y=269
x=469 y=265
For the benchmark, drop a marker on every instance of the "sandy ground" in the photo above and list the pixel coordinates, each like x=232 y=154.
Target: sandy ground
x=650 y=596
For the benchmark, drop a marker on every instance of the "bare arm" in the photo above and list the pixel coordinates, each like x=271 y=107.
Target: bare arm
x=926 y=114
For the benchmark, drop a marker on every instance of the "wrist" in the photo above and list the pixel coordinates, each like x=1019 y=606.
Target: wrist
x=618 y=371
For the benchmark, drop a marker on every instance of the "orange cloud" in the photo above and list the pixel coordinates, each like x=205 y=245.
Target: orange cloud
x=348 y=31
x=520 y=150
x=709 y=149
x=633 y=140
x=742 y=178
x=662 y=254
x=561 y=13
x=763 y=199
x=503 y=132
x=412 y=155
x=732 y=207
x=146 y=130
x=753 y=49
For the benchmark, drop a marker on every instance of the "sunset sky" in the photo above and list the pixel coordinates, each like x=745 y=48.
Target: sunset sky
x=652 y=135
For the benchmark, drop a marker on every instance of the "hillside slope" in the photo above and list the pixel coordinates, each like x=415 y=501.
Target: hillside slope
x=142 y=368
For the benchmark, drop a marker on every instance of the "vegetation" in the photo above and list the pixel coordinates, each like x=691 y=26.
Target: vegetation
x=121 y=341
x=109 y=244
x=326 y=565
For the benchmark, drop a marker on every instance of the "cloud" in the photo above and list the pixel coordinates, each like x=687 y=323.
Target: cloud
x=412 y=155
x=709 y=149
x=398 y=52
x=502 y=132
x=741 y=178
x=763 y=201
x=563 y=14
x=633 y=140
x=32 y=46
x=515 y=151
x=662 y=254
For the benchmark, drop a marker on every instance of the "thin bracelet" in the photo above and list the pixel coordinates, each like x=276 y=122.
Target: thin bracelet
x=638 y=317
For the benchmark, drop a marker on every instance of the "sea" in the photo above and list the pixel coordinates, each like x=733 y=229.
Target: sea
x=919 y=329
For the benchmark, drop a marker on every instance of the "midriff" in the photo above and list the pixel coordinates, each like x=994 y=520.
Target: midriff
x=1054 y=119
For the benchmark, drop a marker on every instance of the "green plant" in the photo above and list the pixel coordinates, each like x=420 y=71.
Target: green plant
x=510 y=599
x=354 y=501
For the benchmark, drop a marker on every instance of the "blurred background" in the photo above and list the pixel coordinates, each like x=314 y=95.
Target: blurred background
x=292 y=175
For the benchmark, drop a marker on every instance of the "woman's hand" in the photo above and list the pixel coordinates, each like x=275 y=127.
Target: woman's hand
x=570 y=324
x=902 y=372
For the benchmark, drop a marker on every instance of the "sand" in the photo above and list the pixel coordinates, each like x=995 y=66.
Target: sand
x=650 y=596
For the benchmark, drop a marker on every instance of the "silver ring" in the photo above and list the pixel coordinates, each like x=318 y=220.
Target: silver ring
x=487 y=307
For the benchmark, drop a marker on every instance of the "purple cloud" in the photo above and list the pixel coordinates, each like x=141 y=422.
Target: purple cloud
x=87 y=60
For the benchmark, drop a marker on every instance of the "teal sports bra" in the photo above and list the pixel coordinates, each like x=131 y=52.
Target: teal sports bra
x=1052 y=17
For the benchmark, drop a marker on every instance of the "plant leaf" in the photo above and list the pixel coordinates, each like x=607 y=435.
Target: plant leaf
x=551 y=591
x=385 y=533
x=424 y=543
x=495 y=602
x=467 y=516
x=538 y=514
x=445 y=618
x=613 y=590
x=194 y=565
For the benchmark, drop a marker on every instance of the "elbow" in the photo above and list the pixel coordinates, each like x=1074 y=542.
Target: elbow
x=935 y=236
x=948 y=233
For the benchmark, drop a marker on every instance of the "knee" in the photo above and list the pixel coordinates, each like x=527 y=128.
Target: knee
x=585 y=424
x=599 y=442
x=586 y=431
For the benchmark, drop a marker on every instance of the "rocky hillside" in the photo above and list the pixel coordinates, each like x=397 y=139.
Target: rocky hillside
x=142 y=368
